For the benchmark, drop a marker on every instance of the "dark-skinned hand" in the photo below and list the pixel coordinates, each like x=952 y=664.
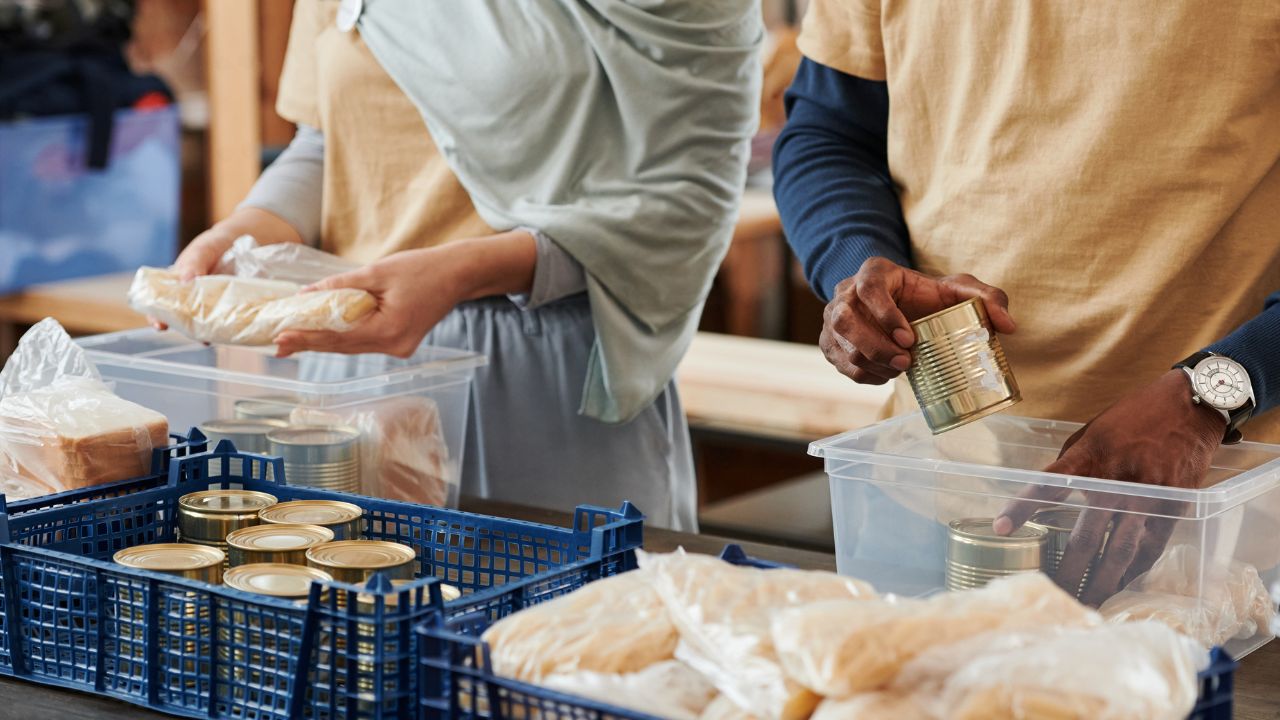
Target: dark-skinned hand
x=866 y=331
x=1154 y=435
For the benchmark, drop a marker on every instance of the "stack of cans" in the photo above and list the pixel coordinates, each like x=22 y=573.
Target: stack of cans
x=278 y=543
x=343 y=519
x=207 y=517
x=976 y=555
x=320 y=457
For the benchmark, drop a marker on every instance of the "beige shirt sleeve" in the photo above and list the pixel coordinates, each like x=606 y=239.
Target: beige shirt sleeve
x=845 y=35
x=297 y=98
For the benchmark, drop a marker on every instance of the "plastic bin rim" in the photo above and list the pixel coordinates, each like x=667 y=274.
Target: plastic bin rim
x=461 y=360
x=1230 y=493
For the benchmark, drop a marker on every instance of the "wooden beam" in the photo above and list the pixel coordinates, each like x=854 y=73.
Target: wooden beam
x=235 y=120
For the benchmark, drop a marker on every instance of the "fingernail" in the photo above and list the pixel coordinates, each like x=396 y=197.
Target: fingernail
x=900 y=363
x=903 y=337
x=1003 y=525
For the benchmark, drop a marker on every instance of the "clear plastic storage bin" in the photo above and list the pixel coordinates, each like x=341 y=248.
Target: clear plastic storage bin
x=411 y=414
x=896 y=488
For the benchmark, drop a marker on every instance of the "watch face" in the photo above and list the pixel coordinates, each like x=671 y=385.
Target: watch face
x=1222 y=383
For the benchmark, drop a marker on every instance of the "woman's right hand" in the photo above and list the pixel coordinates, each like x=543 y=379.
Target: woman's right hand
x=866 y=331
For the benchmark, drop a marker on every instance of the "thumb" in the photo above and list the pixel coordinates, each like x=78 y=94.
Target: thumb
x=360 y=279
x=995 y=300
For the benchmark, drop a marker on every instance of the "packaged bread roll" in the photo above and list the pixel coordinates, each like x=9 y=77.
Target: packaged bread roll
x=723 y=613
x=722 y=708
x=879 y=705
x=840 y=648
x=617 y=625
x=61 y=427
x=668 y=689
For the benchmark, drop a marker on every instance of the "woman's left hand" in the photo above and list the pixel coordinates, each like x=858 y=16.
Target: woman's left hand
x=415 y=289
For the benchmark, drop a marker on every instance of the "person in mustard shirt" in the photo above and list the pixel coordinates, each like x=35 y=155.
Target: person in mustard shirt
x=1106 y=173
x=541 y=182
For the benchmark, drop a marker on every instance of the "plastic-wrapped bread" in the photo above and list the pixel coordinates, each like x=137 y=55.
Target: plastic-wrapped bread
x=840 y=648
x=1216 y=606
x=403 y=455
x=880 y=705
x=243 y=311
x=614 y=625
x=722 y=708
x=668 y=689
x=61 y=427
x=723 y=613
x=1136 y=671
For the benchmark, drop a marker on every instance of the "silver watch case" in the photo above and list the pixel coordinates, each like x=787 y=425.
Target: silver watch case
x=1227 y=371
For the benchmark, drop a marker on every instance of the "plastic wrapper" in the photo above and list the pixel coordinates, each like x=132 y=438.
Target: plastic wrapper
x=880 y=705
x=667 y=689
x=723 y=613
x=840 y=648
x=614 y=625
x=61 y=427
x=1214 y=606
x=289 y=262
x=722 y=708
x=403 y=455
x=243 y=311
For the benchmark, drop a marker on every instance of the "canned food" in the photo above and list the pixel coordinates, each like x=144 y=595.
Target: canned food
x=343 y=518
x=1058 y=523
x=976 y=554
x=275 y=579
x=194 y=562
x=369 y=638
x=319 y=456
x=354 y=561
x=958 y=371
x=285 y=543
x=249 y=435
x=209 y=516
x=271 y=407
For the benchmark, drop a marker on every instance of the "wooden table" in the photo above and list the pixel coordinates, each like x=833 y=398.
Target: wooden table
x=1257 y=680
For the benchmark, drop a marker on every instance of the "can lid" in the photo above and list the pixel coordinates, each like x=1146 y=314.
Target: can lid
x=361 y=554
x=275 y=579
x=392 y=599
x=279 y=537
x=1059 y=518
x=962 y=314
x=980 y=529
x=314 y=436
x=311 y=512
x=225 y=501
x=236 y=426
x=269 y=406
x=170 y=557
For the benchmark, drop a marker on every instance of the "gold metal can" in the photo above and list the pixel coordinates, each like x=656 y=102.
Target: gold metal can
x=1058 y=523
x=319 y=456
x=343 y=518
x=285 y=543
x=280 y=580
x=194 y=562
x=355 y=561
x=210 y=515
x=976 y=554
x=958 y=371
x=270 y=407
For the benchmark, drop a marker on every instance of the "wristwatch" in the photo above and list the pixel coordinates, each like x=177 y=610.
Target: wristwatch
x=1223 y=385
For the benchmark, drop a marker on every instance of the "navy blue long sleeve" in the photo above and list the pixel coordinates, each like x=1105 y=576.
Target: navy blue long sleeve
x=839 y=205
x=831 y=176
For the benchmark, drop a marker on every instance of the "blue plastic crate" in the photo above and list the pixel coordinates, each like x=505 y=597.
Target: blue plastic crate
x=73 y=619
x=456 y=687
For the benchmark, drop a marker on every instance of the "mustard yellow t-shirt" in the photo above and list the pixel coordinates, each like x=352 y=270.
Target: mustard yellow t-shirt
x=1113 y=165
x=386 y=187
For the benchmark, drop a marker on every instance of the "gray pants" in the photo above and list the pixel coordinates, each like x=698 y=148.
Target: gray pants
x=526 y=442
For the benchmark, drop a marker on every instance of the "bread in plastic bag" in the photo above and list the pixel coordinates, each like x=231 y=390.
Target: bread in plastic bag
x=403 y=455
x=613 y=625
x=840 y=648
x=61 y=426
x=668 y=689
x=1135 y=671
x=723 y=613
x=1214 y=607
x=291 y=262
x=722 y=708
x=879 y=705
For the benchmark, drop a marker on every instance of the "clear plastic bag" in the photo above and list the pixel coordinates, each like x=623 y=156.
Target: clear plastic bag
x=1213 y=606
x=261 y=300
x=722 y=708
x=667 y=689
x=841 y=648
x=61 y=427
x=403 y=455
x=614 y=625
x=723 y=613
